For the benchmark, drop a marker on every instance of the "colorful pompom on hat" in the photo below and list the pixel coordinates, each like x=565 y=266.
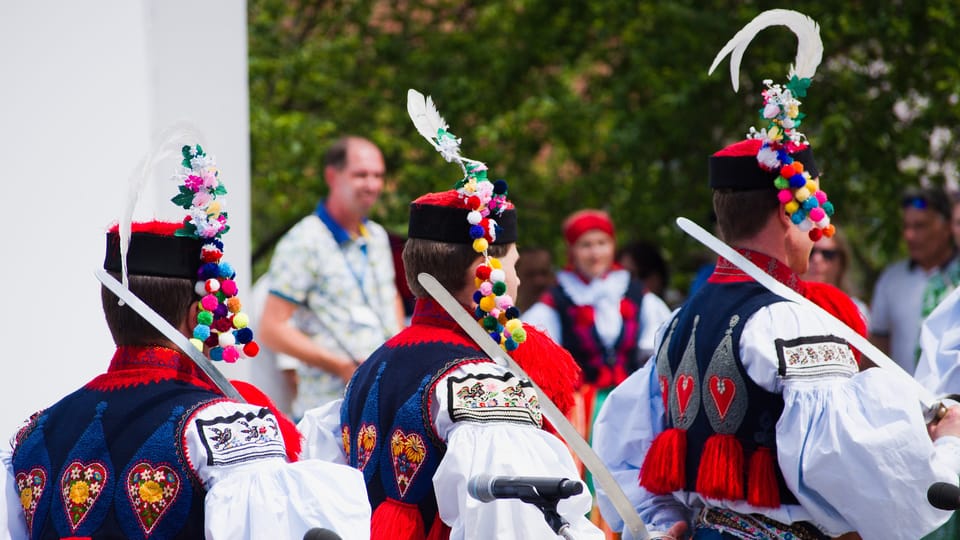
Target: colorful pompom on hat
x=778 y=157
x=191 y=249
x=475 y=212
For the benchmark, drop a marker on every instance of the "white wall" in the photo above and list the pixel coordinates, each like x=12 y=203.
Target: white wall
x=84 y=87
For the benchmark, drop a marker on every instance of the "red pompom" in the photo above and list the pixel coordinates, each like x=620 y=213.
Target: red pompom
x=474 y=202
x=787 y=171
x=720 y=475
x=815 y=234
x=664 y=468
x=762 y=487
x=483 y=272
x=251 y=349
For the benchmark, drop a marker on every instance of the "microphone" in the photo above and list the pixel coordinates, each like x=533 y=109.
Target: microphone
x=486 y=488
x=944 y=495
x=318 y=533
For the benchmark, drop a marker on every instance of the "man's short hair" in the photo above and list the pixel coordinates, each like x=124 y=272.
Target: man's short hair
x=336 y=155
x=742 y=214
x=170 y=297
x=445 y=261
x=927 y=198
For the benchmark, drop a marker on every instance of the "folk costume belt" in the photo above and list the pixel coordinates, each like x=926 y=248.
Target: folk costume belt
x=754 y=526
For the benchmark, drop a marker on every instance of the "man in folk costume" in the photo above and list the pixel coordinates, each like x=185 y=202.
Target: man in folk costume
x=754 y=421
x=153 y=448
x=429 y=410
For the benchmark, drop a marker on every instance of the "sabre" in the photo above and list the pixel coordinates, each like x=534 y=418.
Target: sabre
x=933 y=408
x=170 y=333
x=581 y=448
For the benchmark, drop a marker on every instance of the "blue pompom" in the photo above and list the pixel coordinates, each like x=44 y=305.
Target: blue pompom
x=477 y=295
x=479 y=313
x=500 y=187
x=216 y=353
x=513 y=312
x=476 y=231
x=244 y=335
x=495 y=336
x=810 y=203
x=828 y=208
x=201 y=332
x=226 y=271
x=509 y=344
x=797 y=181
x=209 y=271
x=798 y=217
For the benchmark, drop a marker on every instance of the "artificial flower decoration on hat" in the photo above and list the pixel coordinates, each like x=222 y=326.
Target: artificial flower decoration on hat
x=221 y=323
x=488 y=219
x=783 y=150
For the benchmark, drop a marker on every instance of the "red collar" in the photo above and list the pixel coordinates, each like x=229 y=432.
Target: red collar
x=428 y=312
x=727 y=272
x=133 y=365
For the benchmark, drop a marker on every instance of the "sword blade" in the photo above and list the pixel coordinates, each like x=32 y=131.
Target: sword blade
x=838 y=327
x=580 y=447
x=170 y=333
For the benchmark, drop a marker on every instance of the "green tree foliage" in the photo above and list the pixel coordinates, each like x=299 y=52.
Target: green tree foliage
x=595 y=104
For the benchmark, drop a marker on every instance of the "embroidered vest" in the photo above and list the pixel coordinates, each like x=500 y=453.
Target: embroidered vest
x=385 y=420
x=601 y=366
x=727 y=421
x=110 y=464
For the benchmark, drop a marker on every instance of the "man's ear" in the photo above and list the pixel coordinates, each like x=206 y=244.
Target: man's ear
x=186 y=326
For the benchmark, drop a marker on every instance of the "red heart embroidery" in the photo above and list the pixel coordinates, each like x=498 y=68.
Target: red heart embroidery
x=684 y=392
x=722 y=389
x=30 y=486
x=409 y=452
x=664 y=391
x=151 y=491
x=80 y=486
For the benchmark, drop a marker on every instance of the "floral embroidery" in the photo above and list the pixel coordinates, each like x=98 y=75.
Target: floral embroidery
x=151 y=491
x=80 y=486
x=366 y=441
x=345 y=437
x=408 y=452
x=31 y=485
x=815 y=356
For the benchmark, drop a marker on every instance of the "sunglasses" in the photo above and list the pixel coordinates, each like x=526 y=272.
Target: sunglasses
x=827 y=254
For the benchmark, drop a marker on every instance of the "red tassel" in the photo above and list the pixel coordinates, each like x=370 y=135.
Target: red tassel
x=288 y=430
x=664 y=468
x=395 y=520
x=439 y=530
x=721 y=468
x=762 y=487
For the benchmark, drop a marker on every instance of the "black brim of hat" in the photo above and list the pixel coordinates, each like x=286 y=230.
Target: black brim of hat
x=743 y=173
x=155 y=255
x=447 y=224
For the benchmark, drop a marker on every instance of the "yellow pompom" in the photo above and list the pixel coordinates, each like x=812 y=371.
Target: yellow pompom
x=480 y=245
x=487 y=303
x=477 y=282
x=791 y=207
x=811 y=186
x=802 y=194
x=495 y=263
x=197 y=343
x=513 y=324
x=241 y=320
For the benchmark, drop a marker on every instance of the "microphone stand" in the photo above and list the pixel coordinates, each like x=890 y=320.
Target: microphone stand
x=548 y=505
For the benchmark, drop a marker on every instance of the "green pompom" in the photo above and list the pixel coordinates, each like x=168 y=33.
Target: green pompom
x=499 y=288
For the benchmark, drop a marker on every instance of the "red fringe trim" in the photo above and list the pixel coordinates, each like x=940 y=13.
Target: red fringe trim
x=550 y=366
x=439 y=530
x=395 y=520
x=664 y=469
x=292 y=438
x=721 y=468
x=762 y=487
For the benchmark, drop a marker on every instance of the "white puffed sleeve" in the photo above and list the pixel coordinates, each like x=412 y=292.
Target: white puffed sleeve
x=237 y=452
x=490 y=421
x=320 y=428
x=11 y=512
